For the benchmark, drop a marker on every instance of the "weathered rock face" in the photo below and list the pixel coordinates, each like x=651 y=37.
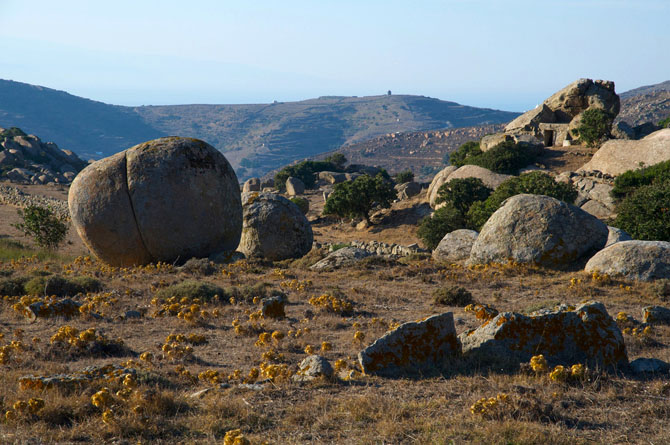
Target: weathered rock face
x=346 y=256
x=615 y=235
x=312 y=368
x=332 y=177
x=412 y=347
x=656 y=315
x=586 y=335
x=162 y=200
x=408 y=190
x=274 y=228
x=538 y=229
x=439 y=179
x=294 y=186
x=634 y=260
x=489 y=178
x=455 y=246
x=252 y=185
x=530 y=120
x=618 y=156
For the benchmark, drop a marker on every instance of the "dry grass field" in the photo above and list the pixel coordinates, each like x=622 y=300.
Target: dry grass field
x=155 y=354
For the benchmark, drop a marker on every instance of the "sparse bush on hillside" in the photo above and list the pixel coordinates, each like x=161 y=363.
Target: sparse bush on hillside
x=304 y=171
x=60 y=286
x=506 y=157
x=43 y=226
x=338 y=160
x=357 y=198
x=665 y=123
x=452 y=296
x=595 y=126
x=462 y=193
x=10 y=133
x=645 y=213
x=302 y=203
x=536 y=183
x=631 y=180
x=403 y=177
x=445 y=219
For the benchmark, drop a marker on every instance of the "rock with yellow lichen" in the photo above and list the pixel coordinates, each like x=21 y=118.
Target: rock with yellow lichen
x=585 y=334
x=412 y=348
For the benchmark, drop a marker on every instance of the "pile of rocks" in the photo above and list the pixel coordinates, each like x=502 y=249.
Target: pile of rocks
x=377 y=248
x=25 y=159
x=13 y=196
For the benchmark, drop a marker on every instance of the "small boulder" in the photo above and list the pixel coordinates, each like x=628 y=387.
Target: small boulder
x=586 y=334
x=332 y=177
x=294 y=186
x=634 y=260
x=649 y=366
x=408 y=190
x=274 y=228
x=252 y=185
x=273 y=307
x=538 y=229
x=615 y=235
x=345 y=256
x=312 y=368
x=455 y=246
x=412 y=347
x=656 y=315
x=491 y=140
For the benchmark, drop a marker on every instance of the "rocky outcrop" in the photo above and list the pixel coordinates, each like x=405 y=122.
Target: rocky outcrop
x=593 y=192
x=392 y=249
x=439 y=179
x=412 y=347
x=163 y=200
x=489 y=178
x=346 y=256
x=273 y=228
x=634 y=260
x=656 y=315
x=538 y=229
x=294 y=186
x=26 y=159
x=332 y=177
x=408 y=190
x=585 y=334
x=252 y=185
x=618 y=156
x=455 y=246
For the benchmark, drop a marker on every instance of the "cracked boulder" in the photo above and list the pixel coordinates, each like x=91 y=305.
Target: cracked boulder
x=412 y=347
x=164 y=200
x=567 y=336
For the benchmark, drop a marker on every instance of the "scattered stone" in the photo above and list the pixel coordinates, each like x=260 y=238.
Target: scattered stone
x=656 y=315
x=201 y=394
x=615 y=235
x=538 y=229
x=252 y=185
x=345 y=256
x=273 y=307
x=455 y=246
x=586 y=334
x=16 y=197
x=412 y=347
x=163 y=200
x=634 y=260
x=294 y=186
x=312 y=368
x=649 y=366
x=596 y=209
x=274 y=228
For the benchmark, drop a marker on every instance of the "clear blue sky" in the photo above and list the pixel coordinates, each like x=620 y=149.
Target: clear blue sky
x=501 y=54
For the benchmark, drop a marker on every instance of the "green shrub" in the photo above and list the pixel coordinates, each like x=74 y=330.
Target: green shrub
x=462 y=193
x=665 y=123
x=445 y=219
x=60 y=286
x=506 y=157
x=337 y=160
x=302 y=203
x=304 y=171
x=594 y=127
x=338 y=246
x=452 y=296
x=403 y=177
x=645 y=213
x=40 y=223
x=357 y=198
x=631 y=180
x=13 y=287
x=192 y=289
x=536 y=183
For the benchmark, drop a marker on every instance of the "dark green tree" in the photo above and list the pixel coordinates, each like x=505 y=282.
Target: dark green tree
x=462 y=193
x=595 y=126
x=40 y=223
x=444 y=220
x=357 y=198
x=403 y=177
x=645 y=213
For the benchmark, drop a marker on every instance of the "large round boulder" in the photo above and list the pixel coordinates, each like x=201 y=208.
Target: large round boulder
x=274 y=228
x=455 y=246
x=164 y=200
x=489 y=178
x=538 y=229
x=634 y=260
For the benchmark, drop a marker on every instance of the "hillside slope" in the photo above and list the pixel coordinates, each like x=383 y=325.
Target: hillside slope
x=650 y=103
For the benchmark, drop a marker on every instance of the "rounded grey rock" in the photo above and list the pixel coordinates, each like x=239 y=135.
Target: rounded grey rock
x=455 y=246
x=634 y=260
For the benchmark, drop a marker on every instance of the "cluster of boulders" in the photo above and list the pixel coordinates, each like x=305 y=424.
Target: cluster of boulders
x=26 y=159
x=13 y=196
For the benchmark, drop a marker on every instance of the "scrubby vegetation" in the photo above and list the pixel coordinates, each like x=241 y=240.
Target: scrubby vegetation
x=355 y=199
x=302 y=203
x=664 y=123
x=43 y=226
x=628 y=182
x=594 y=127
x=403 y=177
x=305 y=170
x=506 y=157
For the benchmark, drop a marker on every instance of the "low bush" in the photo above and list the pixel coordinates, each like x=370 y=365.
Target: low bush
x=631 y=180
x=506 y=157
x=595 y=127
x=645 y=213
x=302 y=203
x=536 y=183
x=60 y=286
x=41 y=224
x=13 y=287
x=191 y=289
x=445 y=219
x=452 y=296
x=403 y=177
x=357 y=198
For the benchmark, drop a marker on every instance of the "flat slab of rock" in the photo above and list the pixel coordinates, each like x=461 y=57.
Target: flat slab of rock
x=273 y=228
x=345 y=256
x=412 y=347
x=656 y=315
x=617 y=156
x=538 y=229
x=586 y=335
x=633 y=260
x=455 y=246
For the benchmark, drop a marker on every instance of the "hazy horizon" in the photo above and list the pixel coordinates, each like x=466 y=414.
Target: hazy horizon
x=478 y=52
